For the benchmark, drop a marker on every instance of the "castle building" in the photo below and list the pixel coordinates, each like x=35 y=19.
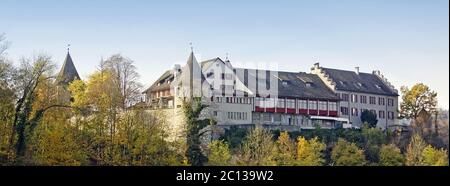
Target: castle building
x=359 y=91
x=275 y=99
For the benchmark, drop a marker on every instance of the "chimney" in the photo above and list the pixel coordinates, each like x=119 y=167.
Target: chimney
x=316 y=65
x=357 y=70
x=176 y=70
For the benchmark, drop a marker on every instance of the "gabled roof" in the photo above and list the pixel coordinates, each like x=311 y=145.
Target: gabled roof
x=292 y=84
x=206 y=64
x=68 y=71
x=163 y=82
x=186 y=74
x=361 y=82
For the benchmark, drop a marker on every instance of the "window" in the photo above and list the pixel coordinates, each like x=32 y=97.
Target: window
x=280 y=103
x=354 y=112
x=344 y=97
x=390 y=102
x=237 y=115
x=381 y=114
x=303 y=104
x=363 y=99
x=290 y=103
x=380 y=101
x=259 y=102
x=269 y=102
x=391 y=115
x=312 y=105
x=322 y=105
x=372 y=100
x=354 y=98
x=332 y=106
x=344 y=110
x=210 y=74
x=215 y=113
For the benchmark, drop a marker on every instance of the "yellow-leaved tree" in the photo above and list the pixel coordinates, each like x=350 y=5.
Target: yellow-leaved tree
x=310 y=152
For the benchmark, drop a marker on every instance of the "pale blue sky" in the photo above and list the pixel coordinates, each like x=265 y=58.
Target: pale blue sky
x=408 y=40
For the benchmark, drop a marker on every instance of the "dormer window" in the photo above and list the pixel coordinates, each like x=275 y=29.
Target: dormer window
x=378 y=86
x=210 y=74
x=308 y=85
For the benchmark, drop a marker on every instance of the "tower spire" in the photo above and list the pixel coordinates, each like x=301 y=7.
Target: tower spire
x=192 y=47
x=68 y=48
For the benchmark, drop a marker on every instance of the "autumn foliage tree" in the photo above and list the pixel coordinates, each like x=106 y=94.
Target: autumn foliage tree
x=347 y=154
x=258 y=148
x=419 y=97
x=310 y=152
x=219 y=153
x=390 y=155
x=285 y=150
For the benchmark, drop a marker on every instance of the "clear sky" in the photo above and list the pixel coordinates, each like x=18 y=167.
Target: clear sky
x=408 y=40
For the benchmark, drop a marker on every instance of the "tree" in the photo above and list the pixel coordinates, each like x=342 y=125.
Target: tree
x=369 y=118
x=390 y=155
x=192 y=109
x=285 y=150
x=258 y=148
x=434 y=157
x=125 y=78
x=219 y=153
x=116 y=136
x=419 y=97
x=55 y=143
x=30 y=75
x=309 y=152
x=373 y=139
x=347 y=154
x=414 y=151
x=7 y=99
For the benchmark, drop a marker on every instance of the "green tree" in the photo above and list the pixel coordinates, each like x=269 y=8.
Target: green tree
x=219 y=153
x=373 y=139
x=347 y=154
x=419 y=98
x=310 y=152
x=258 y=148
x=192 y=109
x=434 y=157
x=369 y=118
x=390 y=155
x=285 y=150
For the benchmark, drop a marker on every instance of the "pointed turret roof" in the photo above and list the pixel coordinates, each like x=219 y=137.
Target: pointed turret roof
x=68 y=71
